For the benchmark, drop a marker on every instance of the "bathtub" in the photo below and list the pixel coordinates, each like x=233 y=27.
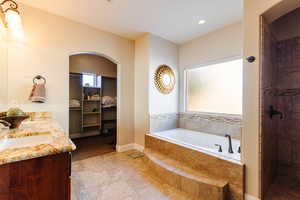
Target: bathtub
x=202 y=142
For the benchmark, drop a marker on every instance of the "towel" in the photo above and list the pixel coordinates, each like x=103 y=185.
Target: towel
x=38 y=93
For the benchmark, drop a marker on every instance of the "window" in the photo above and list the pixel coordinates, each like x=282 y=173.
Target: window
x=91 y=80
x=215 y=88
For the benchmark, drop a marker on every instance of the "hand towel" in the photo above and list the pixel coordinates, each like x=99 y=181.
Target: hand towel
x=38 y=93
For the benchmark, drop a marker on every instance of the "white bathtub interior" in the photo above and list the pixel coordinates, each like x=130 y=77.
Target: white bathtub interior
x=203 y=142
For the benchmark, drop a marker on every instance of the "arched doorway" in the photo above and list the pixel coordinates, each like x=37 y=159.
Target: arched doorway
x=280 y=92
x=94 y=103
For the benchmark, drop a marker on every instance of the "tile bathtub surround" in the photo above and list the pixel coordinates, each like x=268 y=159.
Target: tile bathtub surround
x=218 y=124
x=59 y=141
x=163 y=122
x=182 y=177
x=224 y=170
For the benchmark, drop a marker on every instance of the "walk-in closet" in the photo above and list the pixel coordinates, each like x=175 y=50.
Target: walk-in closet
x=92 y=103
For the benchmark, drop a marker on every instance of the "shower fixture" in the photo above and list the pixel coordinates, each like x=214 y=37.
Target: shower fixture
x=273 y=112
x=251 y=59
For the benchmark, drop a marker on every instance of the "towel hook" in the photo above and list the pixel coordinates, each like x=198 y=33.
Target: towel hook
x=39 y=77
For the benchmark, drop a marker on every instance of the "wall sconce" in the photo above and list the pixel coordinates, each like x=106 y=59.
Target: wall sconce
x=10 y=18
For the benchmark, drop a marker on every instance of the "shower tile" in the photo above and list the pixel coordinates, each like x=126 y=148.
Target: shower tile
x=285 y=152
x=296 y=153
x=288 y=129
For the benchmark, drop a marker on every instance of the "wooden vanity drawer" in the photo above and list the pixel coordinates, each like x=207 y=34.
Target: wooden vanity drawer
x=46 y=178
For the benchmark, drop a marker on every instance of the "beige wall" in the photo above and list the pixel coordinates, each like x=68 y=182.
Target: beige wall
x=252 y=11
x=93 y=64
x=48 y=43
x=3 y=74
x=162 y=52
x=141 y=98
x=150 y=52
x=221 y=45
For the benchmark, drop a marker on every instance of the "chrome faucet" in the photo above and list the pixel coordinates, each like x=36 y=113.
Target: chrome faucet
x=230 y=143
x=220 y=147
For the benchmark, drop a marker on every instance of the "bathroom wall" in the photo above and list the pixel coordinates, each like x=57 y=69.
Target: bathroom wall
x=216 y=46
x=141 y=88
x=162 y=52
x=151 y=52
x=163 y=108
x=49 y=40
x=251 y=119
x=163 y=122
x=92 y=64
x=3 y=74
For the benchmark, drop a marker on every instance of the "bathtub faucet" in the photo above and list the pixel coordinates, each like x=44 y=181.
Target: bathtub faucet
x=230 y=143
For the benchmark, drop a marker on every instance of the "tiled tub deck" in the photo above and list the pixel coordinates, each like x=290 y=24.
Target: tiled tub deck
x=202 y=175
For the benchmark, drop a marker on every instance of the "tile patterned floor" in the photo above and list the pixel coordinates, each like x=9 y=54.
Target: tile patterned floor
x=92 y=146
x=116 y=176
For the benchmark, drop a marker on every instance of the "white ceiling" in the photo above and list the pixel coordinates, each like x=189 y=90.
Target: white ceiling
x=174 y=20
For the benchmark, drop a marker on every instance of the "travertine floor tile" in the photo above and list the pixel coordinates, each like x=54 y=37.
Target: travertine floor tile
x=116 y=176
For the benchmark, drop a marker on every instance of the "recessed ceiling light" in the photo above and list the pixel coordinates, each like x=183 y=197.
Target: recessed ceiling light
x=202 y=21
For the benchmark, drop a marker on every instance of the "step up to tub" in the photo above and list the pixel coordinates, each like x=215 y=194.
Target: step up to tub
x=230 y=171
x=195 y=183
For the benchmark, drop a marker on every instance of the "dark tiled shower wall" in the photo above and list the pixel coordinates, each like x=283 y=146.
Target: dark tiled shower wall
x=288 y=90
x=269 y=126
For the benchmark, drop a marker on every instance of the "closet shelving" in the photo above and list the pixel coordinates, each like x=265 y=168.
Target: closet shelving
x=84 y=120
x=75 y=113
x=91 y=114
x=109 y=114
x=90 y=118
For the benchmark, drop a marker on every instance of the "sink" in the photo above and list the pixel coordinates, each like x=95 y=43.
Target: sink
x=30 y=141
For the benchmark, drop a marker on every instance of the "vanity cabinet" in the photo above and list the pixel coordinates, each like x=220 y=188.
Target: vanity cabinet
x=43 y=178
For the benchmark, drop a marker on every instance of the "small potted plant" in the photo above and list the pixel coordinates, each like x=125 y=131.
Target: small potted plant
x=13 y=118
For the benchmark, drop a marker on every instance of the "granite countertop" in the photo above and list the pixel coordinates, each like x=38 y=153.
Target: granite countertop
x=33 y=139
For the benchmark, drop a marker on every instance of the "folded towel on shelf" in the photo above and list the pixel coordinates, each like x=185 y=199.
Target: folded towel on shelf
x=38 y=93
x=107 y=100
x=74 y=103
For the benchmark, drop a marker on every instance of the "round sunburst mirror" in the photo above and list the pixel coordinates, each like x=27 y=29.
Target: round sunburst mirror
x=164 y=79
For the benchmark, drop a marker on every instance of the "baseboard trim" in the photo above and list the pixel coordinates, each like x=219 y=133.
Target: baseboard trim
x=250 y=197
x=139 y=147
x=128 y=147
